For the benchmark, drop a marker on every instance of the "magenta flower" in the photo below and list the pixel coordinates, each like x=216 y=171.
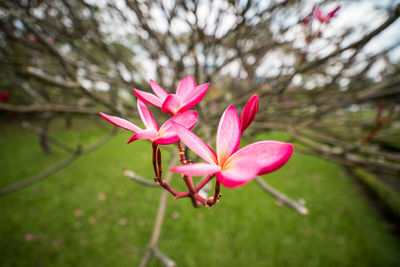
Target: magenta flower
x=249 y=112
x=325 y=18
x=162 y=136
x=187 y=96
x=231 y=166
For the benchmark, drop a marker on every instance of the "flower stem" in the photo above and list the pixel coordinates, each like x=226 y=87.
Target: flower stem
x=159 y=163
x=192 y=192
x=203 y=182
x=182 y=153
x=216 y=192
x=154 y=160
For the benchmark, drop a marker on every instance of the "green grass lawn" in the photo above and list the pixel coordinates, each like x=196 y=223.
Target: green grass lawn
x=89 y=214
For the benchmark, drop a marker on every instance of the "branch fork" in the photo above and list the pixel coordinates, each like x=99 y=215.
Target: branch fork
x=193 y=192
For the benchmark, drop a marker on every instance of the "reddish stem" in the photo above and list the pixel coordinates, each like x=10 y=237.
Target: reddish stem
x=167 y=187
x=192 y=192
x=159 y=162
x=200 y=199
x=154 y=160
x=181 y=195
x=189 y=183
x=216 y=192
x=182 y=153
x=203 y=182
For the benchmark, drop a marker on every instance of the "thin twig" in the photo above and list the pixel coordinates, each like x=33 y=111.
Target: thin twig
x=205 y=190
x=216 y=193
x=163 y=258
x=203 y=182
x=134 y=177
x=281 y=197
x=48 y=107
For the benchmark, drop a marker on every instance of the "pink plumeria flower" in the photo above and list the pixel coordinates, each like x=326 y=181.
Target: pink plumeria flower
x=249 y=112
x=325 y=18
x=162 y=136
x=187 y=96
x=231 y=166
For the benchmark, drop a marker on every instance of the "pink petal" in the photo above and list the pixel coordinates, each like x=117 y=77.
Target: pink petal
x=320 y=16
x=167 y=135
x=167 y=139
x=197 y=169
x=187 y=119
x=263 y=157
x=120 y=122
x=186 y=86
x=255 y=159
x=249 y=112
x=144 y=134
x=332 y=13
x=235 y=177
x=172 y=104
x=146 y=116
x=194 y=97
x=148 y=98
x=158 y=90
x=193 y=142
x=228 y=134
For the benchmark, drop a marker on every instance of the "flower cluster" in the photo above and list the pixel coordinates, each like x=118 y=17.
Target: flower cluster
x=325 y=18
x=231 y=166
x=320 y=16
x=311 y=33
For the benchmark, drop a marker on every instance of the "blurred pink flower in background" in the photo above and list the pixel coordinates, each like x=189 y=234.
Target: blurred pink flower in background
x=29 y=237
x=31 y=37
x=325 y=18
x=50 y=40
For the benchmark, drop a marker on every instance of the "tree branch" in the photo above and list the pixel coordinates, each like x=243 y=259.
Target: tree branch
x=281 y=197
x=136 y=178
x=48 y=107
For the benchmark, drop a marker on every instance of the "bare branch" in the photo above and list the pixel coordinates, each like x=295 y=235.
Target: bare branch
x=48 y=107
x=134 y=177
x=297 y=206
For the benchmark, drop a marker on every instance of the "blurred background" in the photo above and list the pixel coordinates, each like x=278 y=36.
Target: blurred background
x=327 y=73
